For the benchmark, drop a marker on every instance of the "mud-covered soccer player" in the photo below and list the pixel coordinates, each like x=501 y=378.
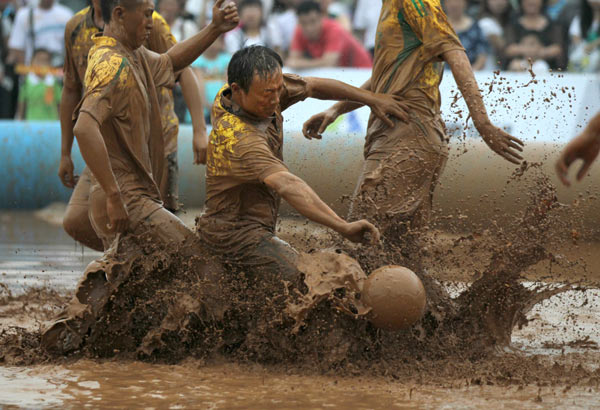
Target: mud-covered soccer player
x=78 y=42
x=119 y=132
x=403 y=163
x=245 y=172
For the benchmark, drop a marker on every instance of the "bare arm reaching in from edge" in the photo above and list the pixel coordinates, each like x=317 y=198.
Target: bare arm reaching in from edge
x=68 y=102
x=585 y=146
x=193 y=99
x=300 y=196
x=93 y=150
x=497 y=139
x=382 y=105
x=184 y=53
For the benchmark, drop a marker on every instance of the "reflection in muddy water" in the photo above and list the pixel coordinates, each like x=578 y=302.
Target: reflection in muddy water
x=193 y=385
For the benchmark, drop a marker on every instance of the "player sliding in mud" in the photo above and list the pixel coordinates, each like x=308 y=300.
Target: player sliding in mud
x=119 y=132
x=585 y=146
x=78 y=42
x=246 y=175
x=403 y=163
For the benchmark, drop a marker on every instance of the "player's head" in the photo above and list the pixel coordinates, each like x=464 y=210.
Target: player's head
x=256 y=81
x=310 y=18
x=131 y=19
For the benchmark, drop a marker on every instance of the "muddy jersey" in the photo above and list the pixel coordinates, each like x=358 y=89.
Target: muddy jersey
x=120 y=94
x=78 y=42
x=240 y=209
x=411 y=35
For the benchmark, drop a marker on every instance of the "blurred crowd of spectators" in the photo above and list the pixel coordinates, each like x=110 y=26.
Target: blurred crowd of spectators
x=512 y=35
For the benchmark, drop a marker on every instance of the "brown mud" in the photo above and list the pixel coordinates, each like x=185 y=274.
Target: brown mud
x=165 y=312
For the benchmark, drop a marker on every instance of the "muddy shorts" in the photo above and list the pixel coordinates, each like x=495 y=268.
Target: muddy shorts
x=81 y=193
x=153 y=233
x=169 y=186
x=402 y=167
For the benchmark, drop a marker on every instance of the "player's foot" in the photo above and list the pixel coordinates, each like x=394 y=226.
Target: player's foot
x=61 y=338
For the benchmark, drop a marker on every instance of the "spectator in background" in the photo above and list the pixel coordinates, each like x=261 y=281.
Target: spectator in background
x=321 y=42
x=181 y=28
x=37 y=27
x=366 y=18
x=253 y=29
x=284 y=17
x=8 y=79
x=469 y=32
x=211 y=70
x=533 y=40
x=40 y=93
x=584 y=55
x=338 y=11
x=494 y=17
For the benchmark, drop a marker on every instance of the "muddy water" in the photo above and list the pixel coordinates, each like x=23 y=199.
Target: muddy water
x=563 y=332
x=194 y=385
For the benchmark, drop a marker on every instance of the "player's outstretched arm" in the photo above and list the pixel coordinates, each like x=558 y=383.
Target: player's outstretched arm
x=69 y=99
x=383 y=106
x=225 y=18
x=93 y=150
x=585 y=146
x=502 y=143
x=302 y=198
x=192 y=94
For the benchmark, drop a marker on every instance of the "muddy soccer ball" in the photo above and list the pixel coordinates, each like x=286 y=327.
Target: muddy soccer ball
x=396 y=296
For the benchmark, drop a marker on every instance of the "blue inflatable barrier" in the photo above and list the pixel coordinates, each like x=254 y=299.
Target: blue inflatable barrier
x=30 y=158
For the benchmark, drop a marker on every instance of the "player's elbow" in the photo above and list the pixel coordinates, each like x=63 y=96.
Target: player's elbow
x=282 y=182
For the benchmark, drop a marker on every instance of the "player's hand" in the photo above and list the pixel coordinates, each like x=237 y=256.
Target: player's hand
x=117 y=213
x=361 y=231
x=586 y=147
x=65 y=171
x=316 y=125
x=502 y=143
x=225 y=15
x=385 y=106
x=199 y=146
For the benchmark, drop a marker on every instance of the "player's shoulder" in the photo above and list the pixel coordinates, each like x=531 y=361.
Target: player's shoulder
x=106 y=64
x=77 y=20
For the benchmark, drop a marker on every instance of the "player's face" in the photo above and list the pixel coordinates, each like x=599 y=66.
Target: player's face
x=262 y=98
x=137 y=22
x=311 y=25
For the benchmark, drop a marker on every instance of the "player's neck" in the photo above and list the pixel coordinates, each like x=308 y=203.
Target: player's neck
x=118 y=33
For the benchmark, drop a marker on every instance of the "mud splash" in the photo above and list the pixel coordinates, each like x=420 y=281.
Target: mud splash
x=169 y=313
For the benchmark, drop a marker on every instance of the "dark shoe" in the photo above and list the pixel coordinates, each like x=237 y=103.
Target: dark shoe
x=61 y=338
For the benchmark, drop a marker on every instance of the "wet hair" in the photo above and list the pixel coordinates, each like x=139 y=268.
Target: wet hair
x=249 y=61
x=586 y=17
x=107 y=7
x=504 y=18
x=308 y=6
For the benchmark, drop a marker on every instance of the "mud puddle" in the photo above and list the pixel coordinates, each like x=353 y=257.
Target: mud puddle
x=195 y=385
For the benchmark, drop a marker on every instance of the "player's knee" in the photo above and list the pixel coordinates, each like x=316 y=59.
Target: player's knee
x=74 y=226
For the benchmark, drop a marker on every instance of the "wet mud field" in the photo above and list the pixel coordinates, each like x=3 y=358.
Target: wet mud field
x=546 y=305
